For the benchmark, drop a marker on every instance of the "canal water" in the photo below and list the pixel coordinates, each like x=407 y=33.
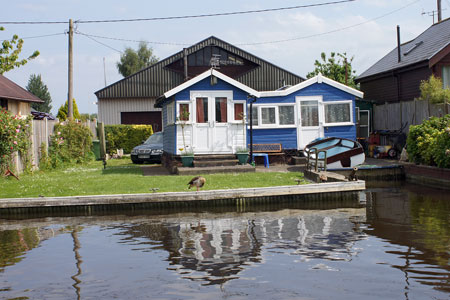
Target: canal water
x=388 y=243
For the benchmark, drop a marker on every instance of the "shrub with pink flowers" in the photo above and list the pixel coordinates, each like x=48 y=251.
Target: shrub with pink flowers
x=15 y=134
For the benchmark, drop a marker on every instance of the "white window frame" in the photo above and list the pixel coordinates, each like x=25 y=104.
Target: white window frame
x=446 y=77
x=170 y=114
x=210 y=94
x=368 y=120
x=320 y=110
x=232 y=120
x=295 y=116
x=190 y=110
x=259 y=107
x=350 y=102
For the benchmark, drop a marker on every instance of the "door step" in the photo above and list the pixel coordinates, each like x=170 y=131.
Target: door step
x=214 y=156
x=216 y=162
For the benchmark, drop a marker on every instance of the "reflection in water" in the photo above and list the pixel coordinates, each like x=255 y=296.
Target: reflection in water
x=419 y=219
x=397 y=248
x=79 y=261
x=15 y=243
x=215 y=250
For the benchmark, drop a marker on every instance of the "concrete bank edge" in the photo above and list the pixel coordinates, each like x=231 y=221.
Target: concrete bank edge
x=182 y=196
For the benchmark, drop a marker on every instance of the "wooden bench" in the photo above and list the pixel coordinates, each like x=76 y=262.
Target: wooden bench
x=265 y=150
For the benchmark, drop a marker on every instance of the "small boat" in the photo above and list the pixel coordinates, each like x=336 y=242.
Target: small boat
x=339 y=153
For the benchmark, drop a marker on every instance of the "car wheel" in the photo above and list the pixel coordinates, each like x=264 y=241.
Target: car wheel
x=392 y=153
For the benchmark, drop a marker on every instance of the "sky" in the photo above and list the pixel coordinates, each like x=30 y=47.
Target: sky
x=291 y=39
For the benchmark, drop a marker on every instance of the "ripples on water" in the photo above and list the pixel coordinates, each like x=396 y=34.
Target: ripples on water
x=397 y=247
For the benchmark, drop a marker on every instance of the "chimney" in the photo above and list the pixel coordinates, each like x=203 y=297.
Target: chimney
x=439 y=10
x=398 y=44
x=185 y=63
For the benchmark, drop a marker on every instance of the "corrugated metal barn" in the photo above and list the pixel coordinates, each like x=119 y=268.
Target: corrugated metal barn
x=131 y=100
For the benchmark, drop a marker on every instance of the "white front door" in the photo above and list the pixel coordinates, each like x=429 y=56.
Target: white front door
x=211 y=128
x=311 y=119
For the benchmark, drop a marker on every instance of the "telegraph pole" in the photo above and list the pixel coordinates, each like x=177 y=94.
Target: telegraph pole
x=104 y=70
x=70 y=92
x=439 y=10
x=346 y=71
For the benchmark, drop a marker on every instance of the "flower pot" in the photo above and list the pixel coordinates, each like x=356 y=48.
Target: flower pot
x=187 y=161
x=242 y=157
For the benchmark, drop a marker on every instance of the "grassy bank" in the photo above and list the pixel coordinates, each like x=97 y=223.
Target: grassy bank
x=122 y=177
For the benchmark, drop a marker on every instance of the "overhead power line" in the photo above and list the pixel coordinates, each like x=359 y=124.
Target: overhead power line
x=255 y=43
x=219 y=14
x=331 y=31
x=179 y=17
x=33 y=22
x=91 y=37
x=39 y=36
x=130 y=40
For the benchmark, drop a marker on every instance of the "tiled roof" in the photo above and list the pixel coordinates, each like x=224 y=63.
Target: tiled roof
x=422 y=48
x=12 y=91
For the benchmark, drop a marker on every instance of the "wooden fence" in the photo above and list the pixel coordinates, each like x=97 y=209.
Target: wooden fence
x=42 y=130
x=394 y=116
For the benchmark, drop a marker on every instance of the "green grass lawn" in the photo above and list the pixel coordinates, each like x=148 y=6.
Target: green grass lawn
x=122 y=177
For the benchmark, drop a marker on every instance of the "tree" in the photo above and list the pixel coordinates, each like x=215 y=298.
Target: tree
x=335 y=68
x=9 y=54
x=63 y=111
x=132 y=61
x=433 y=90
x=39 y=89
x=86 y=117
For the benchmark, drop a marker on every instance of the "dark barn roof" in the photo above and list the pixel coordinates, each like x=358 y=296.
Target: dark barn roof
x=39 y=115
x=242 y=66
x=11 y=91
x=420 y=49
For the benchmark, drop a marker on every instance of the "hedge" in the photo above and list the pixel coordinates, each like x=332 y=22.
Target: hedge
x=126 y=137
x=429 y=142
x=70 y=144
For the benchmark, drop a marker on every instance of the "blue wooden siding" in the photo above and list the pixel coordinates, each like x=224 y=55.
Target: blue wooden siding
x=348 y=132
x=329 y=94
x=205 y=85
x=170 y=133
x=169 y=141
x=286 y=136
x=276 y=100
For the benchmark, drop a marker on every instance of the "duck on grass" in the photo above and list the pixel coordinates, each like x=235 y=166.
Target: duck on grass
x=198 y=181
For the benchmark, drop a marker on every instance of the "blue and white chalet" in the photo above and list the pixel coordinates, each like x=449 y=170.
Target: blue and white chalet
x=217 y=104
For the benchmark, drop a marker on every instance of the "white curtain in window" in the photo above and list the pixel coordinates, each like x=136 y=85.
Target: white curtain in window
x=286 y=115
x=255 y=116
x=169 y=114
x=267 y=115
x=337 y=113
x=310 y=113
x=446 y=77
